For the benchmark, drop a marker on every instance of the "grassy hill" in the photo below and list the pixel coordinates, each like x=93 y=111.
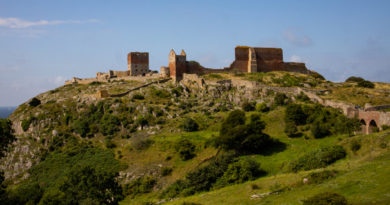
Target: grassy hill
x=140 y=138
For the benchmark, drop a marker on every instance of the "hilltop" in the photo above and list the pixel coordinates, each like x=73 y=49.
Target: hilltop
x=154 y=132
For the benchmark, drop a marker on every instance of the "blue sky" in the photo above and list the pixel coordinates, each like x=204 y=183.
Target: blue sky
x=43 y=43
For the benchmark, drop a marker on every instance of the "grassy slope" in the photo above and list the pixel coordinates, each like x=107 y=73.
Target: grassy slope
x=358 y=175
x=362 y=179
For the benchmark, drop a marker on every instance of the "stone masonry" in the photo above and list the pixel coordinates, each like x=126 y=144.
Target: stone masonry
x=138 y=63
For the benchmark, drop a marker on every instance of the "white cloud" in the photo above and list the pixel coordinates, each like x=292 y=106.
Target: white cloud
x=296 y=37
x=295 y=58
x=16 y=23
x=59 y=80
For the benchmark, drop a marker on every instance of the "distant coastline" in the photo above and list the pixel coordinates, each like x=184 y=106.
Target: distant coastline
x=6 y=111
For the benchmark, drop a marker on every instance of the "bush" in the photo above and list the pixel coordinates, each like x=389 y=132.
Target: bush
x=248 y=106
x=160 y=93
x=165 y=171
x=280 y=99
x=241 y=137
x=294 y=113
x=366 y=84
x=138 y=96
x=77 y=173
x=139 y=186
x=320 y=129
x=110 y=144
x=291 y=129
x=318 y=158
x=141 y=144
x=201 y=179
x=319 y=177
x=354 y=79
x=109 y=124
x=303 y=97
x=326 y=198
x=385 y=127
x=34 y=102
x=239 y=172
x=190 y=125
x=355 y=145
x=81 y=126
x=185 y=149
x=141 y=121
x=262 y=107
x=27 y=122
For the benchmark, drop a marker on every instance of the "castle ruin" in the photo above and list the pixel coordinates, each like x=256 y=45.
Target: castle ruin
x=247 y=59
x=138 y=63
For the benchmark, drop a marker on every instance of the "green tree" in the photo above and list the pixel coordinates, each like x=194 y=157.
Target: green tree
x=294 y=113
x=84 y=184
x=241 y=137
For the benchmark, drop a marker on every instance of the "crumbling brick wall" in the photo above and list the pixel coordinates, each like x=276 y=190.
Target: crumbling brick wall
x=138 y=63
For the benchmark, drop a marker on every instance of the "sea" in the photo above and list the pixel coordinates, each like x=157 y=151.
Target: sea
x=6 y=111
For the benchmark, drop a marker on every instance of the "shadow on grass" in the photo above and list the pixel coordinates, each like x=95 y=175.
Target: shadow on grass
x=275 y=146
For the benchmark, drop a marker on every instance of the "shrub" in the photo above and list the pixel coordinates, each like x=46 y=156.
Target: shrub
x=385 y=127
x=319 y=177
x=366 y=84
x=141 y=144
x=354 y=79
x=165 y=171
x=26 y=123
x=262 y=107
x=241 y=137
x=160 y=93
x=75 y=174
x=355 y=145
x=190 y=125
x=291 y=129
x=294 y=113
x=34 y=102
x=239 y=172
x=280 y=99
x=141 y=121
x=138 y=96
x=320 y=129
x=185 y=149
x=109 y=124
x=81 y=126
x=248 y=106
x=109 y=144
x=201 y=179
x=139 y=186
x=326 y=198
x=318 y=158
x=303 y=97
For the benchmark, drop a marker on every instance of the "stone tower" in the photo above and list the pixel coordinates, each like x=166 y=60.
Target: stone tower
x=177 y=65
x=138 y=63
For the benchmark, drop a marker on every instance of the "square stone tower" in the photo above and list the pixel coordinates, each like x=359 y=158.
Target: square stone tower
x=177 y=65
x=138 y=63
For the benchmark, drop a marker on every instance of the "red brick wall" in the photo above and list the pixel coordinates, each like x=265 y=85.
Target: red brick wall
x=138 y=58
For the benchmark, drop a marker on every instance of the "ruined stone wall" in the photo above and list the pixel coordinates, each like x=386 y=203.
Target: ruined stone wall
x=164 y=71
x=295 y=67
x=193 y=79
x=114 y=73
x=138 y=63
x=241 y=59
